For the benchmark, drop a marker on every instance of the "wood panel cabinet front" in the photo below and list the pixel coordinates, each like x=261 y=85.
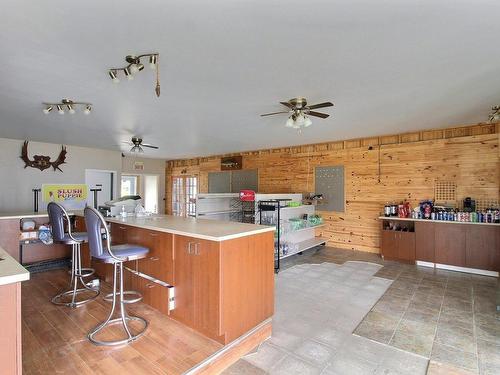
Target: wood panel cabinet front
x=482 y=247
x=389 y=245
x=450 y=244
x=197 y=284
x=425 y=241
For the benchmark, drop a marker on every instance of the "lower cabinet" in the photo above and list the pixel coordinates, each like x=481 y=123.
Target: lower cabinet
x=153 y=294
x=398 y=245
x=482 y=247
x=197 y=280
x=450 y=244
x=424 y=241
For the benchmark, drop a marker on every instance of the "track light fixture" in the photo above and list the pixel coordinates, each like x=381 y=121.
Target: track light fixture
x=135 y=66
x=68 y=104
x=495 y=114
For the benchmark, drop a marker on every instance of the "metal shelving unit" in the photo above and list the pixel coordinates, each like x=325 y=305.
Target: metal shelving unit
x=288 y=241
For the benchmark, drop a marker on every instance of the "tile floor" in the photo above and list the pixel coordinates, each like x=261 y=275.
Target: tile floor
x=447 y=317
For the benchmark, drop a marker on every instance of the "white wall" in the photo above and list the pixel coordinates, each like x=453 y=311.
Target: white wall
x=16 y=182
x=151 y=166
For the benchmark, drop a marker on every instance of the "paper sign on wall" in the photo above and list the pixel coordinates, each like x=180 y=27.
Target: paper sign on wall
x=71 y=196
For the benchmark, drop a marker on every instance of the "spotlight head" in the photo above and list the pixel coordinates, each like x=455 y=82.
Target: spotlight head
x=128 y=74
x=113 y=75
x=153 y=59
x=139 y=67
x=60 y=110
x=87 y=109
x=70 y=109
x=133 y=68
x=48 y=109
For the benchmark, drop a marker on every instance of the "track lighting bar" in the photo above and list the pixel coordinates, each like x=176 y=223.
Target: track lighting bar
x=69 y=105
x=135 y=66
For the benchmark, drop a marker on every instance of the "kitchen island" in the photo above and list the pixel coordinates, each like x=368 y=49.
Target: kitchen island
x=216 y=277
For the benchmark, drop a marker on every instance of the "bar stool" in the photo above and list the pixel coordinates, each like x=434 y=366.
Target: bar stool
x=115 y=255
x=57 y=216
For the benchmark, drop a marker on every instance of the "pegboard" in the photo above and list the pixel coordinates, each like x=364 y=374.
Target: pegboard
x=329 y=181
x=445 y=192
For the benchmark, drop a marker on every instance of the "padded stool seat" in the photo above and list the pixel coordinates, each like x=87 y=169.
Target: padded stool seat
x=78 y=237
x=125 y=252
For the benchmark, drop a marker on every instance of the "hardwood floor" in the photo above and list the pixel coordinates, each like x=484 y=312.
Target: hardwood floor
x=55 y=337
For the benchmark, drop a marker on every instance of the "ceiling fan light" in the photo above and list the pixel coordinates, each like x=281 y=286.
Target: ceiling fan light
x=307 y=122
x=152 y=61
x=128 y=74
x=290 y=123
x=137 y=150
x=87 y=109
x=60 y=110
x=48 y=109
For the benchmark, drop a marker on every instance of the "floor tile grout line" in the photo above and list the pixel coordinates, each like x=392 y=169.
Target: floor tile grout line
x=474 y=331
x=404 y=313
x=439 y=317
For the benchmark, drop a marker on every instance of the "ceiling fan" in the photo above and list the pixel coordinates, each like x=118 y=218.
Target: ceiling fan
x=137 y=145
x=299 y=111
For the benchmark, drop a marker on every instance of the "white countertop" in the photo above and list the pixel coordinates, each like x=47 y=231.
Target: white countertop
x=10 y=270
x=212 y=230
x=433 y=221
x=22 y=215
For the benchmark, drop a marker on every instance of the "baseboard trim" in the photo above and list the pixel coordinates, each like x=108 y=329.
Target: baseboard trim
x=233 y=351
x=425 y=264
x=467 y=270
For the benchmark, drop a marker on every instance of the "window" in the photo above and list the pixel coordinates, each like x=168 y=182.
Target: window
x=184 y=189
x=129 y=185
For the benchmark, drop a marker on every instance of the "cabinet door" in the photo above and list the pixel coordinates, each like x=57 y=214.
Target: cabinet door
x=424 y=241
x=482 y=247
x=389 y=246
x=206 y=285
x=119 y=233
x=196 y=280
x=184 y=280
x=450 y=244
x=159 y=262
x=406 y=246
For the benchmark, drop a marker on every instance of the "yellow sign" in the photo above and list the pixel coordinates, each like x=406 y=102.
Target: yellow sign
x=69 y=195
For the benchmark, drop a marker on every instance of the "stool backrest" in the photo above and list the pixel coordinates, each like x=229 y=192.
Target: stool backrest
x=57 y=214
x=94 y=222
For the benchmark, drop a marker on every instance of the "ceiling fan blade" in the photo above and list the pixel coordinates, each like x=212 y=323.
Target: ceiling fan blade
x=320 y=105
x=286 y=104
x=274 y=113
x=128 y=143
x=148 y=145
x=317 y=114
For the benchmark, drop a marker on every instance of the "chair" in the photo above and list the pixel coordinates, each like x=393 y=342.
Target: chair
x=115 y=255
x=57 y=216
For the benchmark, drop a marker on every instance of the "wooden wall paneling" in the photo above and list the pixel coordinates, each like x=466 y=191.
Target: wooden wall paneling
x=10 y=339
x=408 y=171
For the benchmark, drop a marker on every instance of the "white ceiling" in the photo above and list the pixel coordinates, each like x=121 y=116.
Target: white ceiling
x=390 y=66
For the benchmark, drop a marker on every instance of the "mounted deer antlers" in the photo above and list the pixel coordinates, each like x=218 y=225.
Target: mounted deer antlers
x=42 y=162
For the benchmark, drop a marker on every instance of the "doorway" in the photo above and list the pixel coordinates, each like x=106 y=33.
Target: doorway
x=100 y=179
x=151 y=189
x=184 y=190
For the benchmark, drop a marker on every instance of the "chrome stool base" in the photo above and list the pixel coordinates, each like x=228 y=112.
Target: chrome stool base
x=77 y=275
x=109 y=297
x=131 y=337
x=118 y=297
